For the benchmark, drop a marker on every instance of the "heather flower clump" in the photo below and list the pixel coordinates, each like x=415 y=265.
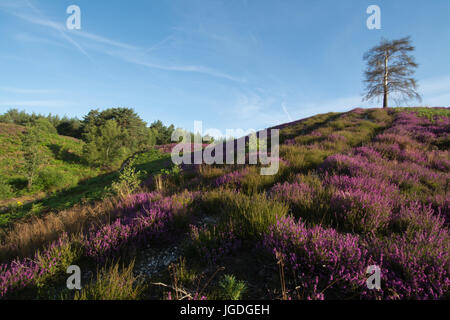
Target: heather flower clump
x=415 y=266
x=141 y=219
x=397 y=158
x=232 y=178
x=362 y=204
x=325 y=263
x=294 y=192
x=393 y=192
x=151 y=220
x=300 y=197
x=20 y=274
x=328 y=264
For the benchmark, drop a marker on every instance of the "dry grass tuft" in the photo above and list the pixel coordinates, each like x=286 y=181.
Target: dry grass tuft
x=26 y=237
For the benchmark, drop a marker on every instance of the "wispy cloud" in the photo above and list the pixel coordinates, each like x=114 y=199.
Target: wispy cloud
x=124 y=51
x=141 y=59
x=255 y=110
x=103 y=40
x=78 y=33
x=31 y=38
x=159 y=44
x=262 y=110
x=283 y=105
x=48 y=23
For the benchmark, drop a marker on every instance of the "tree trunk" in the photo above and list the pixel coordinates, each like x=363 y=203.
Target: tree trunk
x=385 y=84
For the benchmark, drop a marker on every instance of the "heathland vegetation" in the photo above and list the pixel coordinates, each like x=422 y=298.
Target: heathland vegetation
x=48 y=163
x=354 y=189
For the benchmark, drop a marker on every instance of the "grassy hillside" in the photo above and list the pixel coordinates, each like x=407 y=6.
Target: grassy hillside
x=62 y=164
x=355 y=189
x=63 y=180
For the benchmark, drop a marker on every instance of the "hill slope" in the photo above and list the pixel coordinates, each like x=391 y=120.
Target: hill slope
x=63 y=179
x=61 y=159
x=357 y=189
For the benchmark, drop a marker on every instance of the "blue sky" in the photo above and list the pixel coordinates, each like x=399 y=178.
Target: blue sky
x=231 y=64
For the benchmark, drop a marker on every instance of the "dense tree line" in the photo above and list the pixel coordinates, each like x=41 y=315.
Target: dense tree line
x=71 y=127
x=74 y=127
x=110 y=135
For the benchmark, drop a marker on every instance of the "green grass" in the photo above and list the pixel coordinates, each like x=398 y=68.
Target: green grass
x=319 y=137
x=113 y=283
x=88 y=190
x=248 y=216
x=64 y=179
x=306 y=126
x=429 y=113
x=62 y=163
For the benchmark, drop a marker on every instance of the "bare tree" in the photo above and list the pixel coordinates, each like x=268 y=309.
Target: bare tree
x=389 y=71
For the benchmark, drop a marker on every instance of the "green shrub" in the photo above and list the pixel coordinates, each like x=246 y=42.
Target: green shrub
x=339 y=124
x=295 y=155
x=37 y=208
x=307 y=198
x=128 y=181
x=31 y=153
x=168 y=179
x=304 y=158
x=106 y=145
x=308 y=139
x=380 y=115
x=44 y=125
x=254 y=182
x=250 y=216
x=209 y=172
x=230 y=288
x=5 y=189
x=315 y=157
x=325 y=131
x=112 y=283
x=51 y=179
x=65 y=252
